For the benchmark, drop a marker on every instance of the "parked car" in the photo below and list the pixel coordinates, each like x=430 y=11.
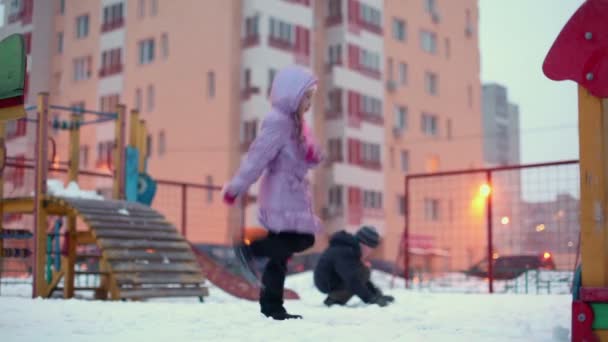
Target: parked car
x=512 y=266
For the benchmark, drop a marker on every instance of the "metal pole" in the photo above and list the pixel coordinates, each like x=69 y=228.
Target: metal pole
x=489 y=224
x=184 y=209
x=406 y=235
x=41 y=168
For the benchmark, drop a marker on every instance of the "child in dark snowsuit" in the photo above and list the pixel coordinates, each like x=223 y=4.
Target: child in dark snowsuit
x=342 y=272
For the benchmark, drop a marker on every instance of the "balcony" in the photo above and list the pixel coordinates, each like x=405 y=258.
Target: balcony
x=334 y=20
x=112 y=25
x=248 y=92
x=110 y=70
x=250 y=41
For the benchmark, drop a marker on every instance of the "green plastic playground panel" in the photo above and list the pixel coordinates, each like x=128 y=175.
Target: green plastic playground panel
x=600 y=311
x=12 y=66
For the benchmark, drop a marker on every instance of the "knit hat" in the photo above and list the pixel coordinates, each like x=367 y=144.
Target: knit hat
x=368 y=236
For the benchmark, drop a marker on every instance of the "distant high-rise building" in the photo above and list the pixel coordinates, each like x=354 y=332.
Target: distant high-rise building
x=500 y=127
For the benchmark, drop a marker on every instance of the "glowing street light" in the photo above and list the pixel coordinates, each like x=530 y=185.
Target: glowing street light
x=540 y=227
x=485 y=190
x=505 y=220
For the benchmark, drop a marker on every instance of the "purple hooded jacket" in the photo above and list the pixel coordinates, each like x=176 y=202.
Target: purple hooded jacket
x=284 y=200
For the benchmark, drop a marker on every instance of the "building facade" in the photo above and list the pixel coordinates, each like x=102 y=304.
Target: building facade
x=399 y=91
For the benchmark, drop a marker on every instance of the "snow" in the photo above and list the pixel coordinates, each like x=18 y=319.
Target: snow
x=415 y=316
x=123 y=211
x=56 y=188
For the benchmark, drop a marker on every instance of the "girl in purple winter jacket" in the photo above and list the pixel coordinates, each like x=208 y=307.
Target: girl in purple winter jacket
x=285 y=151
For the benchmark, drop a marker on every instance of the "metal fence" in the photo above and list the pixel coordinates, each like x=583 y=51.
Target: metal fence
x=513 y=228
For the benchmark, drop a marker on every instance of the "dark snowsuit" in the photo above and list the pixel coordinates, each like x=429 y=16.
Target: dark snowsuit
x=340 y=273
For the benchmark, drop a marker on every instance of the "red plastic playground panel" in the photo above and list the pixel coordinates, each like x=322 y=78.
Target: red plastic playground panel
x=580 y=52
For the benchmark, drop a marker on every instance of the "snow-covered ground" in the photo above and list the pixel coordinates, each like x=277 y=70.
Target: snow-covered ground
x=415 y=316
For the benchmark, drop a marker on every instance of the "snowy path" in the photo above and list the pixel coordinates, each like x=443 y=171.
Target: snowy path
x=415 y=317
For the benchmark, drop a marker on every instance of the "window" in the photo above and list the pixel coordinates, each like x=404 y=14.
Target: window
x=429 y=124
x=428 y=41
x=370 y=105
x=108 y=103
x=60 y=42
x=82 y=26
x=252 y=26
x=372 y=199
x=249 y=131
x=432 y=163
x=210 y=190
x=104 y=153
x=405 y=161
x=402 y=73
x=447 y=48
x=430 y=83
x=334 y=101
x=247 y=79
x=370 y=154
x=210 y=84
x=271 y=74
x=162 y=147
x=335 y=54
x=282 y=32
x=335 y=149
x=84 y=156
x=336 y=196
x=334 y=9
x=146 y=51
x=111 y=62
x=82 y=68
x=112 y=17
x=431 y=209
x=401 y=204
x=399 y=29
x=430 y=6
x=149 y=145
x=153 y=7
x=468 y=30
x=62 y=7
x=151 y=101
x=138 y=99
x=164 y=45
x=448 y=129
x=400 y=117
x=369 y=60
x=141 y=8
x=369 y=15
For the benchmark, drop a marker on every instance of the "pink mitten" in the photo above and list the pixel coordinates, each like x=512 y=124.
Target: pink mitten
x=229 y=199
x=312 y=154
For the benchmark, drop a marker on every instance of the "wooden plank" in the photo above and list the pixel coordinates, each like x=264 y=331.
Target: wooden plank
x=593 y=122
x=119 y=212
x=104 y=225
x=90 y=273
x=18 y=205
x=107 y=243
x=85 y=238
x=106 y=203
x=132 y=267
x=125 y=220
x=163 y=292
x=137 y=234
x=158 y=278
x=129 y=254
